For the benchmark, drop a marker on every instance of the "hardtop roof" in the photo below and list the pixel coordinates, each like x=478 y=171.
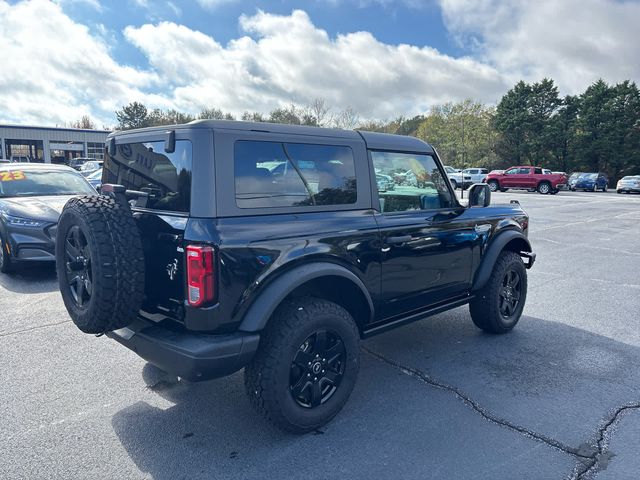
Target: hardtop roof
x=374 y=140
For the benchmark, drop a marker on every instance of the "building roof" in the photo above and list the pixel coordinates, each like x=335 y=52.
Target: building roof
x=65 y=129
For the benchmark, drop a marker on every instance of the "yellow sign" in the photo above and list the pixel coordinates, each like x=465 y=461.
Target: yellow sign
x=11 y=175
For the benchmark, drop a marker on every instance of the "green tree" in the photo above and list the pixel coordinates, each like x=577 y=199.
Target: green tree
x=131 y=116
x=215 y=114
x=524 y=122
x=462 y=133
x=562 y=134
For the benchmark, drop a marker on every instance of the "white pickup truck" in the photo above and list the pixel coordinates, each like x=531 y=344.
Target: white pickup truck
x=458 y=179
x=476 y=174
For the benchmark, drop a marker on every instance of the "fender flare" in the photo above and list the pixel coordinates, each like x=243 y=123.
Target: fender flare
x=490 y=257
x=259 y=312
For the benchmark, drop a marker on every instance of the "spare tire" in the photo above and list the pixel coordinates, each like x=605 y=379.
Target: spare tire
x=100 y=263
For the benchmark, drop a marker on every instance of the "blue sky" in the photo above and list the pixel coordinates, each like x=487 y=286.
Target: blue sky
x=381 y=58
x=414 y=23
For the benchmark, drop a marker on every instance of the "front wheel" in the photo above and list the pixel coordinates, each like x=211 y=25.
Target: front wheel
x=493 y=185
x=6 y=265
x=306 y=365
x=454 y=184
x=497 y=307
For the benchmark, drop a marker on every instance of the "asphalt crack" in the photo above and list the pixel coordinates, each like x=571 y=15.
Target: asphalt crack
x=425 y=378
x=30 y=329
x=600 y=459
x=591 y=458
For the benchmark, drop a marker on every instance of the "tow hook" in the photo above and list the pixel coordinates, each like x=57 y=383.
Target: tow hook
x=530 y=256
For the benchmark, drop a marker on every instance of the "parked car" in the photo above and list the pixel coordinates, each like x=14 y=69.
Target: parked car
x=76 y=163
x=573 y=178
x=477 y=174
x=31 y=198
x=628 y=184
x=226 y=266
x=95 y=178
x=89 y=167
x=526 y=178
x=457 y=178
x=590 y=182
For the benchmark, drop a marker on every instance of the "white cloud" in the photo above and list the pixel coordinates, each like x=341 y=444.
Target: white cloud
x=575 y=42
x=57 y=71
x=287 y=58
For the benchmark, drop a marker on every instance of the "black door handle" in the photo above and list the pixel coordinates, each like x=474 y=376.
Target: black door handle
x=399 y=239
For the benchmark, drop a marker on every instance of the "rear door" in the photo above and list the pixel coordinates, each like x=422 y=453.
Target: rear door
x=142 y=164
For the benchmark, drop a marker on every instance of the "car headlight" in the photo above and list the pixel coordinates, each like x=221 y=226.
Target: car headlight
x=14 y=221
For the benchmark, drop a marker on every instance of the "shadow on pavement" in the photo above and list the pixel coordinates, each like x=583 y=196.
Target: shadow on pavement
x=551 y=378
x=36 y=278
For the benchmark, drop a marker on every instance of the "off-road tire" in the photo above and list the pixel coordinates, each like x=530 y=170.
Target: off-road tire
x=544 y=188
x=117 y=262
x=267 y=377
x=485 y=307
x=493 y=185
x=6 y=265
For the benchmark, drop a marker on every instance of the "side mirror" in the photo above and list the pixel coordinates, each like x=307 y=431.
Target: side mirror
x=111 y=147
x=170 y=142
x=479 y=195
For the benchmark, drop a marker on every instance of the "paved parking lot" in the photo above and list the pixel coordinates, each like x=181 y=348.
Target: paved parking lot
x=557 y=398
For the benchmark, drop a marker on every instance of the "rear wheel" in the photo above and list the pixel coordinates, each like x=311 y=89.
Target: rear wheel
x=6 y=266
x=544 y=188
x=306 y=365
x=493 y=185
x=497 y=307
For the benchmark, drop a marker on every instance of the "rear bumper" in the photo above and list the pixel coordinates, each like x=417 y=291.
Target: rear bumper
x=193 y=356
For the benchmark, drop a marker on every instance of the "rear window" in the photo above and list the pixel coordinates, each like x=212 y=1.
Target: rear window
x=146 y=167
x=273 y=174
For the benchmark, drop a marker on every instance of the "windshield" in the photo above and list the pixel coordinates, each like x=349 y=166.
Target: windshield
x=27 y=183
x=589 y=176
x=97 y=175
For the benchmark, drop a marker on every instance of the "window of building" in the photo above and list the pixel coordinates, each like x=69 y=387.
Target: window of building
x=95 y=150
x=146 y=167
x=272 y=174
x=25 y=150
x=408 y=181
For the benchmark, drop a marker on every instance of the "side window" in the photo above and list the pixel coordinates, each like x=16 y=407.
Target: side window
x=273 y=174
x=408 y=181
x=145 y=166
x=538 y=171
x=512 y=171
x=524 y=171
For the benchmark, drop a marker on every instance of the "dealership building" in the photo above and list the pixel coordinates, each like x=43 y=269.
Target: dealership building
x=50 y=145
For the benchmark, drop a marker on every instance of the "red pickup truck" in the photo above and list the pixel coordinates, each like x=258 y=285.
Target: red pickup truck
x=528 y=178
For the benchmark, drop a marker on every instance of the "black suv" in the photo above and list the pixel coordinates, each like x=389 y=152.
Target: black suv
x=219 y=245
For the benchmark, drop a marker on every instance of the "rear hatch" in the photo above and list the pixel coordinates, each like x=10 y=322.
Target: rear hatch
x=161 y=211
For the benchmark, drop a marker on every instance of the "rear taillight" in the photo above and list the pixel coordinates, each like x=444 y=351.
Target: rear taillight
x=200 y=275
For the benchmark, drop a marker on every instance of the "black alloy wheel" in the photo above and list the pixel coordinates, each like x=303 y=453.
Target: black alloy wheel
x=317 y=368
x=78 y=266
x=510 y=293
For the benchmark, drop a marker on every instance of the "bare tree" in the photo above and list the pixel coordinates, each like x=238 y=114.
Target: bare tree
x=347 y=119
x=84 y=123
x=319 y=110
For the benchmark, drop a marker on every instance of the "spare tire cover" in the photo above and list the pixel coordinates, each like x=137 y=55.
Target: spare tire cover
x=100 y=263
